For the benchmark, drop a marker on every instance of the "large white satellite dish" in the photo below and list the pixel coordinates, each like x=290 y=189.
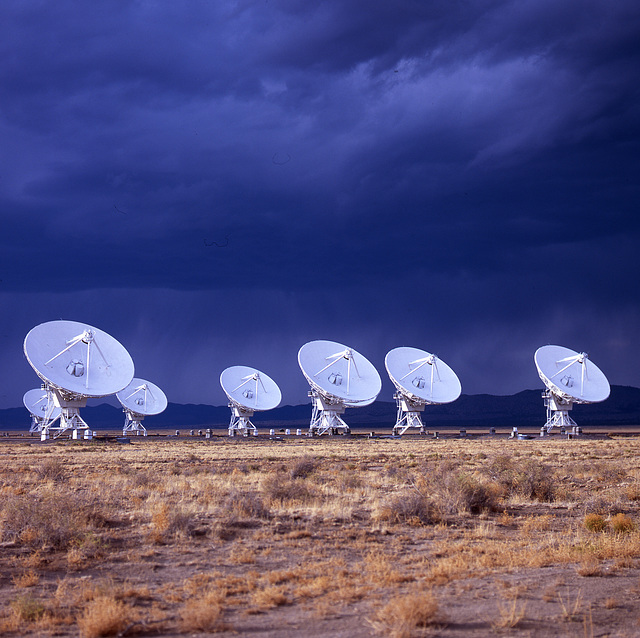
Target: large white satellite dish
x=248 y=391
x=76 y=361
x=339 y=378
x=44 y=412
x=570 y=377
x=420 y=379
x=139 y=399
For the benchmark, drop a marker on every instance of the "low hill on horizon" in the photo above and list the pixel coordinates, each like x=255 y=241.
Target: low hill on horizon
x=525 y=408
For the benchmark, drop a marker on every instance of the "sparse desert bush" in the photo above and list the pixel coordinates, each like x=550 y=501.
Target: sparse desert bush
x=608 y=472
x=528 y=478
x=270 y=596
x=302 y=467
x=245 y=504
x=50 y=470
x=510 y=613
x=203 y=613
x=143 y=478
x=408 y=506
x=27 y=608
x=403 y=616
x=589 y=568
x=29 y=578
x=280 y=488
x=571 y=609
x=595 y=522
x=537 y=524
x=457 y=492
x=622 y=523
x=171 y=520
x=104 y=616
x=53 y=518
x=84 y=549
x=632 y=492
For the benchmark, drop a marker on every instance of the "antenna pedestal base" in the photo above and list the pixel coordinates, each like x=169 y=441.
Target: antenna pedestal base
x=408 y=416
x=241 y=421
x=132 y=423
x=70 y=418
x=36 y=424
x=557 y=411
x=325 y=416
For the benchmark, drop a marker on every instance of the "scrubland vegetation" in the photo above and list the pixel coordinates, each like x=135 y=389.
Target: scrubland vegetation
x=333 y=536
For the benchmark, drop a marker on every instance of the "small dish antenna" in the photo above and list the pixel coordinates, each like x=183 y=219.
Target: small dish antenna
x=420 y=379
x=570 y=377
x=339 y=378
x=248 y=391
x=76 y=361
x=44 y=412
x=139 y=399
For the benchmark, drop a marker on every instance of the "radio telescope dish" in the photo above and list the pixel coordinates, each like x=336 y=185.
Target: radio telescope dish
x=43 y=410
x=570 y=377
x=139 y=399
x=77 y=361
x=248 y=391
x=339 y=378
x=420 y=379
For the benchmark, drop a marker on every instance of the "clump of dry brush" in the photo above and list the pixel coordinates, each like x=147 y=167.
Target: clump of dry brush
x=444 y=489
x=52 y=518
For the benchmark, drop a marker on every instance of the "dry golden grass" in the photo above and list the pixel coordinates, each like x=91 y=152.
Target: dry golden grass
x=196 y=536
x=510 y=613
x=571 y=608
x=27 y=579
x=203 y=613
x=404 y=616
x=270 y=596
x=104 y=616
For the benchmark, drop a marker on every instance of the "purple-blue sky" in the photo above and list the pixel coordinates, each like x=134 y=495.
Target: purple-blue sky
x=216 y=183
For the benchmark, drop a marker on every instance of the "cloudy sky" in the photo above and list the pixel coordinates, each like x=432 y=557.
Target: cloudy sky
x=216 y=183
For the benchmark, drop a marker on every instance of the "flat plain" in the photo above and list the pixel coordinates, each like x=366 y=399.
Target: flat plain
x=336 y=536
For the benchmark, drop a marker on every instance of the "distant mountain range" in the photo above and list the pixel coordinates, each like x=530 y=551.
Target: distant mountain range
x=525 y=408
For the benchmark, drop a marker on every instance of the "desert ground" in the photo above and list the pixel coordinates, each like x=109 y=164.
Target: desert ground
x=332 y=536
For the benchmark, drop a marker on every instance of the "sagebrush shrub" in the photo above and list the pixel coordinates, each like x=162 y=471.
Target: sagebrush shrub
x=104 y=616
x=302 y=467
x=53 y=518
x=407 y=614
x=454 y=491
x=528 y=478
x=279 y=487
x=245 y=504
x=408 y=507
x=50 y=469
x=595 y=522
x=622 y=523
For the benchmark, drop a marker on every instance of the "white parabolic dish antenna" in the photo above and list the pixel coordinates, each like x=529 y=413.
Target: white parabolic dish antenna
x=143 y=397
x=420 y=379
x=421 y=376
x=570 y=377
x=250 y=388
x=248 y=391
x=39 y=403
x=43 y=411
x=139 y=399
x=335 y=370
x=78 y=359
x=339 y=377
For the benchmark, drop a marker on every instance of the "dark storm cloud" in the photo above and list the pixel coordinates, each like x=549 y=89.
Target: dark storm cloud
x=459 y=176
